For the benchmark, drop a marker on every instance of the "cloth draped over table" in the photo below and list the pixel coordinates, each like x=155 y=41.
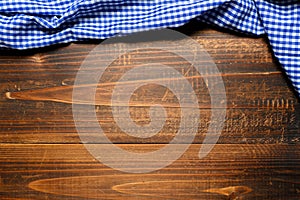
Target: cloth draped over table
x=26 y=24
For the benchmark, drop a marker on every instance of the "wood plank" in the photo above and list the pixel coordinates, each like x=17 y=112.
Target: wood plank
x=228 y=172
x=53 y=123
x=36 y=88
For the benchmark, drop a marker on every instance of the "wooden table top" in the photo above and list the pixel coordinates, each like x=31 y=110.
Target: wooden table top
x=257 y=155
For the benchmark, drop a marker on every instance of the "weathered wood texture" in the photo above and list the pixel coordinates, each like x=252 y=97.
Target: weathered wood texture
x=228 y=172
x=257 y=155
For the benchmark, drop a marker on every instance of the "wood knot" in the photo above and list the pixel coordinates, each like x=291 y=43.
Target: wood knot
x=232 y=192
x=38 y=58
x=8 y=95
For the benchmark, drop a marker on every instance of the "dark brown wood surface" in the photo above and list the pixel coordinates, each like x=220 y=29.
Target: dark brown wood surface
x=257 y=155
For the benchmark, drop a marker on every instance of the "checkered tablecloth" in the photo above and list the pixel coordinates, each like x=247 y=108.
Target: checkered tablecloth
x=26 y=24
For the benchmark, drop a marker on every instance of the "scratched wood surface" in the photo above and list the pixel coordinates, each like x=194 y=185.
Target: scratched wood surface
x=42 y=157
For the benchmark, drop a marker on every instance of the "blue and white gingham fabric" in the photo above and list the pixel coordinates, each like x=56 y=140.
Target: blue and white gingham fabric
x=26 y=24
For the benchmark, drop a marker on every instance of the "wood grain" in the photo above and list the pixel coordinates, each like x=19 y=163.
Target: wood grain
x=41 y=155
x=228 y=172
